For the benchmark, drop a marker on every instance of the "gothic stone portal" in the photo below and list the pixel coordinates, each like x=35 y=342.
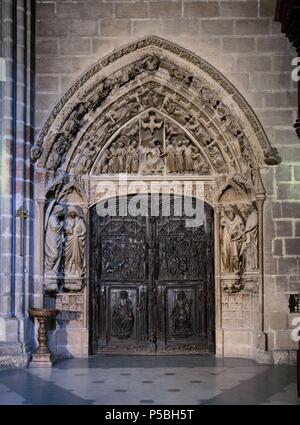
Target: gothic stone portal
x=154 y=112
x=152 y=280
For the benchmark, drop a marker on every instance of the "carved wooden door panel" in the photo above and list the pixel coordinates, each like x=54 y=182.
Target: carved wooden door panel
x=151 y=284
x=119 y=283
x=184 y=282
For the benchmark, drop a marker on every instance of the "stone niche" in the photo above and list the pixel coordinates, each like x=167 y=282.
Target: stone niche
x=152 y=112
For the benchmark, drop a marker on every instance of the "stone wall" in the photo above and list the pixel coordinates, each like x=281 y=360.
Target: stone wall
x=16 y=186
x=242 y=40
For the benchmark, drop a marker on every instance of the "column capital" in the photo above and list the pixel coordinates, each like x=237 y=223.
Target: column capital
x=260 y=199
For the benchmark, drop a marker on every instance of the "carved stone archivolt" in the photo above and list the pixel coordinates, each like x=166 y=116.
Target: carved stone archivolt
x=94 y=90
x=193 y=99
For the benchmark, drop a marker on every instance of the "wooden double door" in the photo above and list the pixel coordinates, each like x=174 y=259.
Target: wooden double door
x=151 y=279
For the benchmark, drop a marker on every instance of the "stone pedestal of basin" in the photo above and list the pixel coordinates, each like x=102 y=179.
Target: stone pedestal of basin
x=42 y=357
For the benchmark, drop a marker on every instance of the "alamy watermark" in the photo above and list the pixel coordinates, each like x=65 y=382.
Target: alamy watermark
x=295 y=334
x=296 y=71
x=164 y=198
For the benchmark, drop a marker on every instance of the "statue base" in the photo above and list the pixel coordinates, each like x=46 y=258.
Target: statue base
x=250 y=282
x=51 y=283
x=231 y=283
x=73 y=283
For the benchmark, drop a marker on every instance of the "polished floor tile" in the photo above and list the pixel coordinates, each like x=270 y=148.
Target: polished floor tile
x=186 y=380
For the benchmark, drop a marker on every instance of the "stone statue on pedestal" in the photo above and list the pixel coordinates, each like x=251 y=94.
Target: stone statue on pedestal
x=231 y=229
x=54 y=239
x=75 y=233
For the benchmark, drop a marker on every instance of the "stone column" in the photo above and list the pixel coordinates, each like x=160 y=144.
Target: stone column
x=218 y=291
x=87 y=264
x=39 y=256
x=17 y=41
x=262 y=336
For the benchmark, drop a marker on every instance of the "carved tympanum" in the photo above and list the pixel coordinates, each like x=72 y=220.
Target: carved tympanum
x=154 y=145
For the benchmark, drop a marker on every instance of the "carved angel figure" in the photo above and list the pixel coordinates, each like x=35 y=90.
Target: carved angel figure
x=151 y=63
x=57 y=156
x=86 y=159
x=75 y=233
x=54 y=241
x=99 y=95
x=232 y=227
x=73 y=123
x=208 y=96
x=216 y=158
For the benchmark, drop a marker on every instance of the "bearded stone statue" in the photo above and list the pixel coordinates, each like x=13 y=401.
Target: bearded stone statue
x=232 y=227
x=54 y=241
x=249 y=251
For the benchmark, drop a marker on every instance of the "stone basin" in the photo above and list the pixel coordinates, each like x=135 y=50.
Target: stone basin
x=43 y=312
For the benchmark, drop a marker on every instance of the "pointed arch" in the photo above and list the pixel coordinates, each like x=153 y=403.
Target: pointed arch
x=197 y=95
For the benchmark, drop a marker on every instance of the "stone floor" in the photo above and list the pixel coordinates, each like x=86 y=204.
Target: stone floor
x=149 y=380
